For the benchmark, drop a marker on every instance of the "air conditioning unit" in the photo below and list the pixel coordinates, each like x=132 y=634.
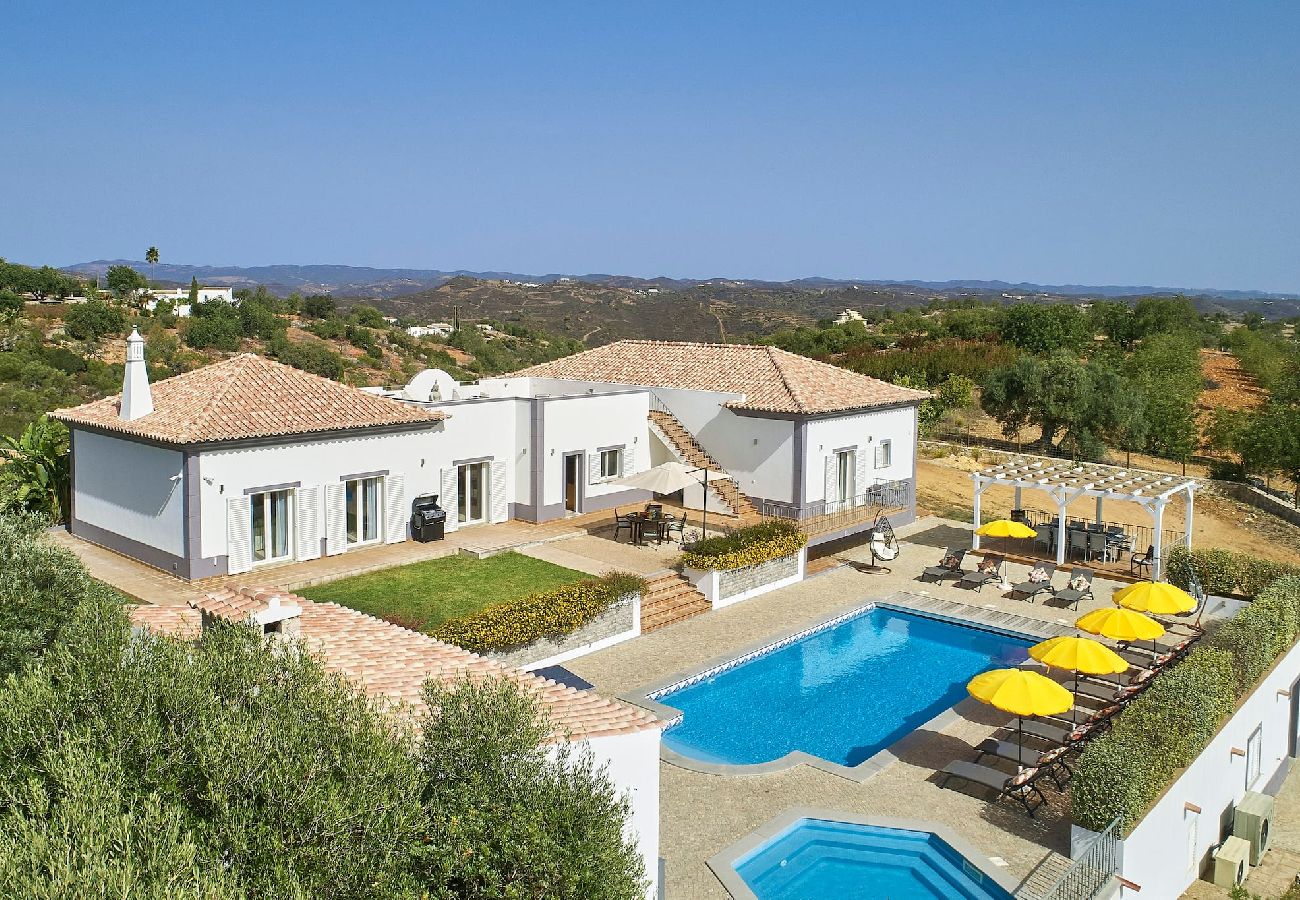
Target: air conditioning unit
x=1253 y=822
x=1231 y=862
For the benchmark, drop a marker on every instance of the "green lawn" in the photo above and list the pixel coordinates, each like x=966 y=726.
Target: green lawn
x=422 y=595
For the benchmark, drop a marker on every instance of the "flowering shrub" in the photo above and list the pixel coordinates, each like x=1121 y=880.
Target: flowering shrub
x=550 y=614
x=746 y=546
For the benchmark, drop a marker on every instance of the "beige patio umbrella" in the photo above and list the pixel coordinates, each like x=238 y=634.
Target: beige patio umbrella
x=669 y=477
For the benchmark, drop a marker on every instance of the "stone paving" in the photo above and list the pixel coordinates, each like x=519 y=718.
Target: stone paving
x=702 y=814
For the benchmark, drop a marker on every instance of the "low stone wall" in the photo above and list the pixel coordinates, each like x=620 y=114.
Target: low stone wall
x=723 y=587
x=618 y=623
x=1257 y=498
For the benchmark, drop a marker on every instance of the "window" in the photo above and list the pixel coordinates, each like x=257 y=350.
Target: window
x=611 y=463
x=845 y=466
x=884 y=454
x=1254 y=749
x=362 y=505
x=271 y=526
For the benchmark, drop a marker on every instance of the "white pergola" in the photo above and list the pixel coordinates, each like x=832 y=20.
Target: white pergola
x=1066 y=481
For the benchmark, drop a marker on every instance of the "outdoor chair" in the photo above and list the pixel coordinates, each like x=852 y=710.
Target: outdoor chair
x=1046 y=537
x=1049 y=761
x=1099 y=546
x=1019 y=787
x=989 y=569
x=1078 y=542
x=1139 y=561
x=949 y=566
x=673 y=524
x=654 y=510
x=1060 y=735
x=622 y=523
x=1070 y=595
x=1028 y=590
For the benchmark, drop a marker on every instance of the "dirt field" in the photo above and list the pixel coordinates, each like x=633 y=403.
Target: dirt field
x=944 y=488
x=1227 y=386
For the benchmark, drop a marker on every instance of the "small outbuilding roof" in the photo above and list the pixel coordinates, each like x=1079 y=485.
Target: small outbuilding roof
x=392 y=662
x=771 y=380
x=247 y=396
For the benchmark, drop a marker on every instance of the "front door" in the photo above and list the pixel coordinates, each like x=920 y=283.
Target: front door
x=471 y=505
x=572 y=470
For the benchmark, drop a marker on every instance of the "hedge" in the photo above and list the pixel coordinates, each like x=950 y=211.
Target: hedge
x=553 y=614
x=1121 y=773
x=746 y=546
x=1225 y=571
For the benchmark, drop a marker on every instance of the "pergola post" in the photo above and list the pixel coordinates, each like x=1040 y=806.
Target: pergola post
x=1062 y=533
x=1018 y=506
x=975 y=515
x=1100 y=501
x=1157 y=540
x=1191 y=503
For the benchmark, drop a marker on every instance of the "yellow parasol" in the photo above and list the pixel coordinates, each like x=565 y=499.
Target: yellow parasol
x=1079 y=654
x=1120 y=625
x=1155 y=598
x=1022 y=693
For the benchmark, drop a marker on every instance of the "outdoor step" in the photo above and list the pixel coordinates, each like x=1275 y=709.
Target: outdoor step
x=669 y=599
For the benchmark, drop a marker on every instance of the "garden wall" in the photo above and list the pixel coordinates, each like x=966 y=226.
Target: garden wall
x=1173 y=844
x=723 y=587
x=1255 y=497
x=619 y=623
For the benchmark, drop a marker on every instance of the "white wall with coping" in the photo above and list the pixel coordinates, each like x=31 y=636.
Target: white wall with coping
x=587 y=424
x=865 y=431
x=633 y=765
x=130 y=489
x=1171 y=845
x=633 y=600
x=708 y=582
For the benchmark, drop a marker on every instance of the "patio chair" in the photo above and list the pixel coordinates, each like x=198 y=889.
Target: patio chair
x=1060 y=735
x=1099 y=545
x=1079 y=542
x=989 y=569
x=1070 y=595
x=1046 y=537
x=949 y=566
x=1028 y=589
x=1019 y=787
x=622 y=523
x=1139 y=561
x=1049 y=761
x=675 y=525
x=654 y=510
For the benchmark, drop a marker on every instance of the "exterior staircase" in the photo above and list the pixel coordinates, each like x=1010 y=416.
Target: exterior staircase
x=684 y=446
x=669 y=598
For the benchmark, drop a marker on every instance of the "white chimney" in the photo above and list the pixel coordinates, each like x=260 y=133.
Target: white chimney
x=137 y=400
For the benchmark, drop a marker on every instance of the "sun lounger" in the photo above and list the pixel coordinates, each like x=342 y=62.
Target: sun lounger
x=1019 y=787
x=947 y=568
x=1060 y=735
x=1028 y=590
x=1049 y=761
x=1070 y=596
x=990 y=569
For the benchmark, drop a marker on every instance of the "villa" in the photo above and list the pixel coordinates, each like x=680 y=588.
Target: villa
x=248 y=462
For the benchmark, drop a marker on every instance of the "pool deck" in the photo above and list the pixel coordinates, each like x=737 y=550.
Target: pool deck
x=702 y=814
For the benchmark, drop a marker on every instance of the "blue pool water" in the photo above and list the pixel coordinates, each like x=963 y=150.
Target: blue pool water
x=841 y=694
x=819 y=859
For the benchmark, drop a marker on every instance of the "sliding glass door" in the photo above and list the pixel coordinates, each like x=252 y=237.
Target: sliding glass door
x=471 y=487
x=362 y=504
x=272 y=526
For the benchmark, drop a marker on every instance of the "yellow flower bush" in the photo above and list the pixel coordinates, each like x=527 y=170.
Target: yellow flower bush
x=746 y=546
x=551 y=614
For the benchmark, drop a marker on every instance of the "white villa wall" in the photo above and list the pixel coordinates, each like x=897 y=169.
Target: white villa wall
x=130 y=489
x=1160 y=854
x=633 y=761
x=482 y=429
x=759 y=454
x=864 y=430
x=587 y=423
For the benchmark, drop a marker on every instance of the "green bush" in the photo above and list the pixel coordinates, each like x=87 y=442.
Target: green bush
x=746 y=546
x=1224 y=571
x=215 y=332
x=93 y=319
x=551 y=614
x=1260 y=632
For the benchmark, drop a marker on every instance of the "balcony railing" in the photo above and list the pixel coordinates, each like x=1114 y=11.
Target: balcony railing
x=1090 y=871
x=830 y=515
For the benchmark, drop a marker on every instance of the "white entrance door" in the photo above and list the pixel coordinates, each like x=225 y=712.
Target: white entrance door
x=471 y=493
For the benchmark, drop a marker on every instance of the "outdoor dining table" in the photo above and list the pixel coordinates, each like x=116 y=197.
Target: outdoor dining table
x=640 y=521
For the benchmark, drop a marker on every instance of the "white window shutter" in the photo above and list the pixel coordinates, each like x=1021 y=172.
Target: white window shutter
x=448 y=499
x=395 y=514
x=593 y=468
x=629 y=461
x=239 y=535
x=832 y=480
x=307 y=501
x=336 y=522
x=860 y=477
x=880 y=456
x=499 y=500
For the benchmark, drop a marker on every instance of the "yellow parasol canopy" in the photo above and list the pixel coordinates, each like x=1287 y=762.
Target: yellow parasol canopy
x=1020 y=692
x=1120 y=624
x=1079 y=654
x=1005 y=528
x=1155 y=597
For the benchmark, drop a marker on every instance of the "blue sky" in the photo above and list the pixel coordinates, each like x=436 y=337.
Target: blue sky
x=1098 y=142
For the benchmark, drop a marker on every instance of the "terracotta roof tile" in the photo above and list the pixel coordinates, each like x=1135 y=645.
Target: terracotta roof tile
x=248 y=396
x=770 y=379
x=394 y=662
x=180 y=621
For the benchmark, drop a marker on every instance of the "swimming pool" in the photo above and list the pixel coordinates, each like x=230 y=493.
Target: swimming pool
x=841 y=693
x=815 y=858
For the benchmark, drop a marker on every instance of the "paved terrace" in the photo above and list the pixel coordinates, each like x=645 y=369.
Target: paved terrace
x=703 y=814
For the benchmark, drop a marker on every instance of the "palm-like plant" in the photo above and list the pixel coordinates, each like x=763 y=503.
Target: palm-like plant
x=151 y=256
x=36 y=475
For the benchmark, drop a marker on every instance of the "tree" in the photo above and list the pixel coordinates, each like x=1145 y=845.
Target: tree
x=1044 y=329
x=151 y=256
x=318 y=306
x=93 y=320
x=368 y=316
x=36 y=476
x=216 y=332
x=194 y=290
x=125 y=281
x=310 y=356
